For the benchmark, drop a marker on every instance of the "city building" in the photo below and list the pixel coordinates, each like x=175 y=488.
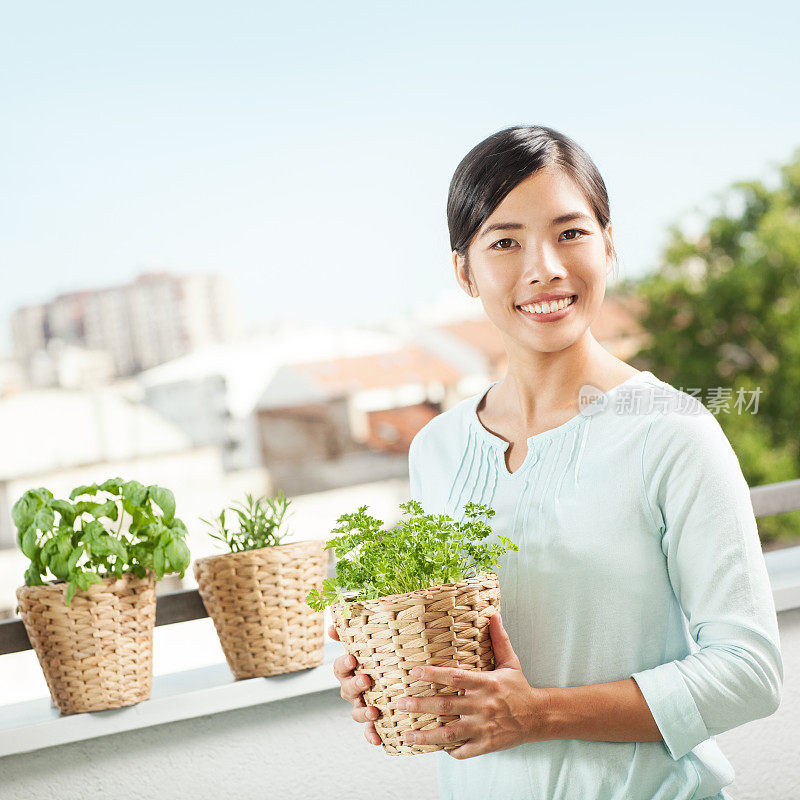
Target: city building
x=155 y=318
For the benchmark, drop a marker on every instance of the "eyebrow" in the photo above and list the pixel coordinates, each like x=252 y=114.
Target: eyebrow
x=515 y=226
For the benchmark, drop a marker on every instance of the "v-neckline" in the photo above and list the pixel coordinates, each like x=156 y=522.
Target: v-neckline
x=543 y=437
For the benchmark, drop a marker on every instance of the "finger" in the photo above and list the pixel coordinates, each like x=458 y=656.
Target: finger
x=444 y=734
x=468 y=750
x=343 y=666
x=364 y=713
x=451 y=676
x=332 y=633
x=446 y=704
x=353 y=687
x=371 y=735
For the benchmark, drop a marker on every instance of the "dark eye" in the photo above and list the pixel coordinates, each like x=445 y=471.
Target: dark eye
x=500 y=242
x=573 y=230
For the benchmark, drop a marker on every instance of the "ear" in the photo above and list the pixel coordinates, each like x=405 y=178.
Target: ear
x=459 y=264
x=611 y=238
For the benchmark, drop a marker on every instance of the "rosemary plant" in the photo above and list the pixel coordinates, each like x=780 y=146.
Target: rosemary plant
x=257 y=523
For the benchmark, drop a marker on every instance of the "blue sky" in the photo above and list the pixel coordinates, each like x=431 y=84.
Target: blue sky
x=306 y=149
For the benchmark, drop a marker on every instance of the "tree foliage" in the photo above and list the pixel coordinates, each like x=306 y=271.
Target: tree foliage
x=723 y=310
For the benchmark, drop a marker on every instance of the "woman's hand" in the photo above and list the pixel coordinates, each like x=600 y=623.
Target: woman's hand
x=352 y=688
x=499 y=709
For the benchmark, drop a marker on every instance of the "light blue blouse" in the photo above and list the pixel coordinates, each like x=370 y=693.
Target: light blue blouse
x=638 y=557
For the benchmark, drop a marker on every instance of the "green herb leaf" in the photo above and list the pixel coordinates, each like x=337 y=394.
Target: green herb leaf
x=33 y=577
x=29 y=542
x=112 y=485
x=108 y=509
x=164 y=499
x=66 y=510
x=178 y=555
x=153 y=540
x=74 y=557
x=79 y=491
x=134 y=493
x=44 y=519
x=421 y=551
x=45 y=495
x=58 y=566
x=107 y=545
x=24 y=510
x=260 y=523
x=158 y=561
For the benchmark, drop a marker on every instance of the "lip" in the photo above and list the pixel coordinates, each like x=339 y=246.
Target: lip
x=542 y=298
x=551 y=316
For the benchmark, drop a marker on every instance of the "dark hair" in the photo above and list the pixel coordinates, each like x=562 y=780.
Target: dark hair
x=503 y=160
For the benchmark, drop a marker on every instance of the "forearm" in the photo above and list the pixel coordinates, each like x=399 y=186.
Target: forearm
x=608 y=712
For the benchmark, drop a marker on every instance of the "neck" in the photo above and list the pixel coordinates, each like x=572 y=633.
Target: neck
x=539 y=384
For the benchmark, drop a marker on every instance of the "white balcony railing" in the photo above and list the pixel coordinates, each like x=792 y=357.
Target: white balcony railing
x=190 y=694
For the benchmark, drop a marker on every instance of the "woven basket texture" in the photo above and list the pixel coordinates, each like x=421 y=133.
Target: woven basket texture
x=96 y=653
x=257 y=599
x=442 y=626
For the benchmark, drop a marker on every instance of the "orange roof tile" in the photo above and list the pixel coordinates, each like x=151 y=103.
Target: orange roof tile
x=410 y=364
x=480 y=334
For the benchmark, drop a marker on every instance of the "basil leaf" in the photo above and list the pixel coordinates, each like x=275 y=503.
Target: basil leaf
x=74 y=557
x=165 y=500
x=81 y=490
x=178 y=554
x=29 y=542
x=58 y=566
x=24 y=510
x=49 y=548
x=108 y=509
x=85 y=507
x=107 y=545
x=134 y=492
x=112 y=485
x=66 y=510
x=44 y=519
x=33 y=577
x=45 y=495
x=158 y=561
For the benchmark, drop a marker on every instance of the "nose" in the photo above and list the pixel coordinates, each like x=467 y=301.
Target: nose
x=542 y=265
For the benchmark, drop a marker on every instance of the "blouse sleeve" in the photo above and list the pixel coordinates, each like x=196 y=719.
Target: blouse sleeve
x=413 y=468
x=700 y=505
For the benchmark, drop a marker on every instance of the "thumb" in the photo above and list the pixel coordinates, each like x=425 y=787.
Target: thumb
x=504 y=655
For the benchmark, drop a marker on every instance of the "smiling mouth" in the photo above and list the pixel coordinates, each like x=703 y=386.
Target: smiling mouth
x=543 y=315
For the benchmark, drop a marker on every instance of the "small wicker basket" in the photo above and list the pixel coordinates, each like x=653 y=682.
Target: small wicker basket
x=441 y=626
x=96 y=653
x=257 y=599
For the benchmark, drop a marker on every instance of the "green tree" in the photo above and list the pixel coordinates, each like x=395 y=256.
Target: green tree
x=723 y=310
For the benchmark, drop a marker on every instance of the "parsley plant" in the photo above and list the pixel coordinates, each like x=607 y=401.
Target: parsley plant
x=421 y=551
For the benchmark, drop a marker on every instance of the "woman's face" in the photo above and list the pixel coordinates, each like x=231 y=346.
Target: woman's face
x=521 y=253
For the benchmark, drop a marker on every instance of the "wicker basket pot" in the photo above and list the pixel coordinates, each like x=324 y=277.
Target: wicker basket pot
x=442 y=626
x=257 y=599
x=96 y=653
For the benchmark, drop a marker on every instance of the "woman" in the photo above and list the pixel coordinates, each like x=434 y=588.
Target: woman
x=637 y=616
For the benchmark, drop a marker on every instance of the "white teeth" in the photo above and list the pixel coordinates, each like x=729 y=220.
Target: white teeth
x=545 y=308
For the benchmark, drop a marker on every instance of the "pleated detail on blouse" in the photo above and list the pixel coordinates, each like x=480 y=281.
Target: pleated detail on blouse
x=578 y=437
x=523 y=501
x=583 y=431
x=476 y=476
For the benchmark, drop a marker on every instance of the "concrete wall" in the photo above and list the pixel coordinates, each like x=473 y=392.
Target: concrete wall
x=309 y=747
